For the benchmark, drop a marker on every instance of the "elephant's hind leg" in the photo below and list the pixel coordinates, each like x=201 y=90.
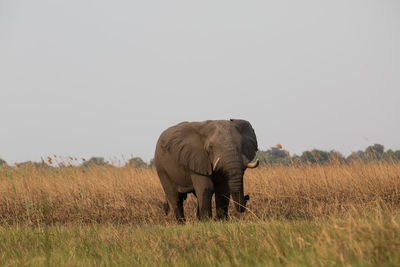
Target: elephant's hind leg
x=166 y=206
x=176 y=201
x=174 y=198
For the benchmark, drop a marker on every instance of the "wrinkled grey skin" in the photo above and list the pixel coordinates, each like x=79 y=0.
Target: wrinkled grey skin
x=205 y=158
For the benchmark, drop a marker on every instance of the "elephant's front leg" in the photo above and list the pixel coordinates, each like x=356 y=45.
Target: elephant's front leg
x=204 y=188
x=222 y=195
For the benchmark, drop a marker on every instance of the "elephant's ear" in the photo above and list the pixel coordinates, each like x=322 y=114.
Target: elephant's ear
x=249 y=139
x=186 y=146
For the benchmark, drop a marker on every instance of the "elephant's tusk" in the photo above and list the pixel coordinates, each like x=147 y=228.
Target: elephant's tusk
x=216 y=164
x=253 y=164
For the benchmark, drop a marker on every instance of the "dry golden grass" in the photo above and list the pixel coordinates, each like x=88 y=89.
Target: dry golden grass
x=128 y=195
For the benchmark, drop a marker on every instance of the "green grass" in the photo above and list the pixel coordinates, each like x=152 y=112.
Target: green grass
x=359 y=241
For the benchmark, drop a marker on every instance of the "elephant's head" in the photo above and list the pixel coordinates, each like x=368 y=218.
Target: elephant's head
x=225 y=147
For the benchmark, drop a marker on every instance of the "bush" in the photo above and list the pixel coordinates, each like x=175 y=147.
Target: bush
x=95 y=161
x=315 y=156
x=375 y=152
x=274 y=156
x=137 y=162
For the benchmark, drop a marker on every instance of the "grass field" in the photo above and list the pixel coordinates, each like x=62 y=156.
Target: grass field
x=308 y=215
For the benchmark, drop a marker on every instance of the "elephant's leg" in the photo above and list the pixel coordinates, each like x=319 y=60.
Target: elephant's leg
x=166 y=206
x=176 y=201
x=198 y=207
x=173 y=196
x=179 y=214
x=204 y=188
x=222 y=195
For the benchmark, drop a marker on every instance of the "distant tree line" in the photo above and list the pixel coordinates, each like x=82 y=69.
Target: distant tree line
x=273 y=156
x=135 y=162
x=277 y=155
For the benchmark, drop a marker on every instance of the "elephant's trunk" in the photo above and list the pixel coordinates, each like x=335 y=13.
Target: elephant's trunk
x=233 y=166
x=236 y=187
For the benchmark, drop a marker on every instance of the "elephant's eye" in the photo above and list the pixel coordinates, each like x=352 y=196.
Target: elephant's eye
x=208 y=147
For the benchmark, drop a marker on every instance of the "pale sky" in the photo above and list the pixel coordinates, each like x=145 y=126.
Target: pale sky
x=105 y=78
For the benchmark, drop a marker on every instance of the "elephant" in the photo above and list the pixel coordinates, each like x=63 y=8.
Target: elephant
x=204 y=158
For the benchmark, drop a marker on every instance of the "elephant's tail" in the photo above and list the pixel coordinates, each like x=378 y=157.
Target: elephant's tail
x=166 y=206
